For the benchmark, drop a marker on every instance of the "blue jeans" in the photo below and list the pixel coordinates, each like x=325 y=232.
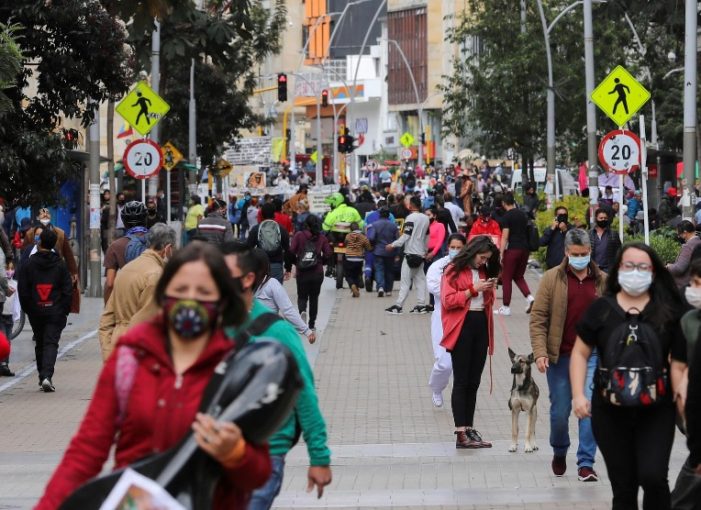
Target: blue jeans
x=558 y=375
x=262 y=498
x=384 y=273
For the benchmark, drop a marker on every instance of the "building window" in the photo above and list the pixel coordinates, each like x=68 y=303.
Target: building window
x=409 y=29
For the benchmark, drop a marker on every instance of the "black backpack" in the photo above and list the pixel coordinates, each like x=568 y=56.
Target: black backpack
x=634 y=373
x=532 y=236
x=308 y=258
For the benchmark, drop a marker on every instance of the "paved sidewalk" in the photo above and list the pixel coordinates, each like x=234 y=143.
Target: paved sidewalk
x=391 y=448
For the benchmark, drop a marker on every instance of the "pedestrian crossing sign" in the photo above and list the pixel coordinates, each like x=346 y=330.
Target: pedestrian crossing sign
x=620 y=96
x=171 y=156
x=142 y=108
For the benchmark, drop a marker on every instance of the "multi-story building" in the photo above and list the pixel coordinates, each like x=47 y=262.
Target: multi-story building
x=415 y=45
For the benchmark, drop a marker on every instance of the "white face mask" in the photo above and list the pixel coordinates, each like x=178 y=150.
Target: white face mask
x=452 y=252
x=44 y=221
x=635 y=283
x=693 y=296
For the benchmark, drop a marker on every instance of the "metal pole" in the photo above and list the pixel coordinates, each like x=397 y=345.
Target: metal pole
x=620 y=208
x=592 y=156
x=689 y=140
x=192 y=131
x=523 y=16
x=644 y=176
x=319 y=150
x=293 y=149
x=550 y=143
x=95 y=289
x=155 y=82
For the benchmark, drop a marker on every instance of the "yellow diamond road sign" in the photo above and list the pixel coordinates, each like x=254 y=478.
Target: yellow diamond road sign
x=224 y=167
x=171 y=156
x=620 y=96
x=407 y=139
x=142 y=108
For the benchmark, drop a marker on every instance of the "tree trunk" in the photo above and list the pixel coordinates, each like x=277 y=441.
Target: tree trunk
x=109 y=133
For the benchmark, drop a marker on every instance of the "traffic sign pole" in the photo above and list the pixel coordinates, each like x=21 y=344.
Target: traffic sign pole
x=644 y=176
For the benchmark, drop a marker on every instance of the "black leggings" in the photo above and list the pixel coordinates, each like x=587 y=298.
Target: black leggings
x=636 y=444
x=468 y=355
x=308 y=289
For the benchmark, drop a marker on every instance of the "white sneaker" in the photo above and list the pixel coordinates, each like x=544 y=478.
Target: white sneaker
x=437 y=400
x=304 y=316
x=502 y=310
x=529 y=303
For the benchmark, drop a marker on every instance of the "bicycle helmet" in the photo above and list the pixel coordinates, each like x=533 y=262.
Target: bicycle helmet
x=134 y=214
x=334 y=200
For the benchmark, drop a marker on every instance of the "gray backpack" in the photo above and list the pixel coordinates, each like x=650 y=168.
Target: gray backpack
x=269 y=237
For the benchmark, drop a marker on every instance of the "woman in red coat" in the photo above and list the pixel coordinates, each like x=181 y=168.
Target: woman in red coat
x=176 y=354
x=467 y=297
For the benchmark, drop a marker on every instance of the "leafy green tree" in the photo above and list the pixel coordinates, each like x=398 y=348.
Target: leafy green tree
x=496 y=97
x=10 y=64
x=227 y=40
x=74 y=53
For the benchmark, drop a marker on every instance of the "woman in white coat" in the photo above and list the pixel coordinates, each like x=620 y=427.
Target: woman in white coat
x=442 y=366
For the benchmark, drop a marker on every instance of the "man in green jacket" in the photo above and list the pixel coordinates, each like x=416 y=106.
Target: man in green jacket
x=243 y=264
x=340 y=213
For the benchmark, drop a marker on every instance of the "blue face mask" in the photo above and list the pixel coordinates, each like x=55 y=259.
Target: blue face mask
x=579 y=263
x=452 y=252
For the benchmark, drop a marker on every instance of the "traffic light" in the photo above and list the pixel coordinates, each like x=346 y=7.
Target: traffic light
x=70 y=138
x=324 y=97
x=342 y=142
x=349 y=143
x=288 y=134
x=423 y=138
x=282 y=87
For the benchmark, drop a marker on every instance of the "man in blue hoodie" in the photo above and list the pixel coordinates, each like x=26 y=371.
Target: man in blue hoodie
x=381 y=233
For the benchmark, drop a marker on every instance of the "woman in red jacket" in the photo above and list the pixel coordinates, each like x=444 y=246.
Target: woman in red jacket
x=176 y=354
x=467 y=296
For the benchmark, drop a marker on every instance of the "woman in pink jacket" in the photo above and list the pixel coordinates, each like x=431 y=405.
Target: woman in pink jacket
x=467 y=297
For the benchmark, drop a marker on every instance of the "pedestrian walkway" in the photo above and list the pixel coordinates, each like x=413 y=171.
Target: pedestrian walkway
x=391 y=447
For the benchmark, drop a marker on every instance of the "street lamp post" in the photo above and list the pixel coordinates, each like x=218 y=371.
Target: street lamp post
x=592 y=155
x=419 y=104
x=589 y=78
x=689 y=140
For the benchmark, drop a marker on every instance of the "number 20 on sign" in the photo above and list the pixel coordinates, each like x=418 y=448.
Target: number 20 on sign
x=619 y=151
x=142 y=158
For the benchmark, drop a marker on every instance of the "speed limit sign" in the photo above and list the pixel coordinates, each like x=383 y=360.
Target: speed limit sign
x=142 y=158
x=619 y=151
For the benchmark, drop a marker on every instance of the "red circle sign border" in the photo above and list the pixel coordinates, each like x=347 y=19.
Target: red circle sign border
x=125 y=159
x=610 y=135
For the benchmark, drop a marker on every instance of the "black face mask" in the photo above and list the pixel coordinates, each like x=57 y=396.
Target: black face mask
x=602 y=223
x=120 y=202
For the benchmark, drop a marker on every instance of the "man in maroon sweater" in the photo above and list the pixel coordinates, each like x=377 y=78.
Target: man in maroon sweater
x=565 y=292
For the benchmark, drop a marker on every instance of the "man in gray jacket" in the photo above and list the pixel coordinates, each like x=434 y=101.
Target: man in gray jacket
x=215 y=227
x=414 y=239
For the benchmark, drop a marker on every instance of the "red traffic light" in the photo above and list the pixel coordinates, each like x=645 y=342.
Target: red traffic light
x=282 y=78
x=324 y=97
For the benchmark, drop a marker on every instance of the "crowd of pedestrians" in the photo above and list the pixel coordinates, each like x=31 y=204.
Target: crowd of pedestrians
x=613 y=328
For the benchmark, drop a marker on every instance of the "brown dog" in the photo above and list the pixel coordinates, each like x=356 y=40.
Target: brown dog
x=524 y=397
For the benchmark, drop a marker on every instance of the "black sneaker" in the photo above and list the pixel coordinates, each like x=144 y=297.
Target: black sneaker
x=429 y=308
x=5 y=370
x=47 y=386
x=418 y=309
x=394 y=310
x=477 y=438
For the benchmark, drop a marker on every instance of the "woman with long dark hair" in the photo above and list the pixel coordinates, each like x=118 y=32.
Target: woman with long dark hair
x=632 y=414
x=310 y=250
x=170 y=359
x=467 y=298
